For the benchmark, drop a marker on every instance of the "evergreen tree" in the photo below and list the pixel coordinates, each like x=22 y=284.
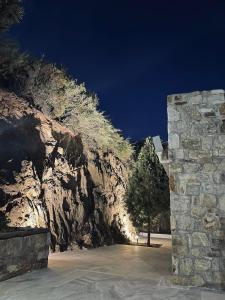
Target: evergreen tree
x=148 y=191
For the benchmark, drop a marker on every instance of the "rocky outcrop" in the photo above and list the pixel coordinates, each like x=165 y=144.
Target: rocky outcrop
x=48 y=180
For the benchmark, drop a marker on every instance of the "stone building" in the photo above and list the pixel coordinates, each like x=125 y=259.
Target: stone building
x=196 y=127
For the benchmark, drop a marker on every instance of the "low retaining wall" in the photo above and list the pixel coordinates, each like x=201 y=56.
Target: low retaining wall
x=22 y=251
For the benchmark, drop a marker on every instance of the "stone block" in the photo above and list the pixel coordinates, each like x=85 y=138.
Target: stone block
x=207 y=112
x=180 y=154
x=196 y=99
x=217 y=92
x=200 y=239
x=177 y=167
x=207 y=142
x=217 y=279
x=186 y=266
x=181 y=204
x=173 y=114
x=193 y=189
x=191 y=167
x=216 y=264
x=195 y=201
x=219 y=177
x=216 y=99
x=191 y=144
x=211 y=221
x=209 y=200
x=198 y=211
x=222 y=109
x=221 y=201
x=170 y=99
x=174 y=141
x=197 y=280
x=184 y=223
x=180 y=245
x=202 y=264
x=180 y=100
x=199 y=252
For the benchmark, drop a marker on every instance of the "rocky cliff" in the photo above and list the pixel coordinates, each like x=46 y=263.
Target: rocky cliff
x=48 y=180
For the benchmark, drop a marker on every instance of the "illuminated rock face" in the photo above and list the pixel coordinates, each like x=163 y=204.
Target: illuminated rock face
x=197 y=181
x=46 y=180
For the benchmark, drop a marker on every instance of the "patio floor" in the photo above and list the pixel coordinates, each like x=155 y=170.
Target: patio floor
x=114 y=272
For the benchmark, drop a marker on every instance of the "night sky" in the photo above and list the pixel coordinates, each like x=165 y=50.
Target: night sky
x=132 y=53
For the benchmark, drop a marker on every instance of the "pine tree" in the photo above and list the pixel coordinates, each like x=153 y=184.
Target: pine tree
x=147 y=192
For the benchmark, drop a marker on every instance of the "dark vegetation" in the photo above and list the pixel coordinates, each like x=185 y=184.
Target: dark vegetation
x=3 y=222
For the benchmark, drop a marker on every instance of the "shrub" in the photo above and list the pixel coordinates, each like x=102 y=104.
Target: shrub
x=52 y=91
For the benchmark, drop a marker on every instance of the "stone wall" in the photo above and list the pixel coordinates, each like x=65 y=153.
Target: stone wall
x=22 y=251
x=196 y=127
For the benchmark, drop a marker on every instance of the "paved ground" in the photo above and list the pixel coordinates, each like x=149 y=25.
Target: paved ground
x=115 y=272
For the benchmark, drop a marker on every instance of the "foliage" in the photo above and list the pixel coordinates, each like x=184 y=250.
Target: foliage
x=50 y=89
x=11 y=63
x=11 y=12
x=147 y=192
x=161 y=223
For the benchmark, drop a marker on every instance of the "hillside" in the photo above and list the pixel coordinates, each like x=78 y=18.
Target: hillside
x=48 y=179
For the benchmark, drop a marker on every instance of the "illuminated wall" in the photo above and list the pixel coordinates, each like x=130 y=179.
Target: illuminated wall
x=196 y=127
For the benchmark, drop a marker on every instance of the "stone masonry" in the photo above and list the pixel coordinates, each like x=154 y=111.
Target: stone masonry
x=22 y=251
x=196 y=128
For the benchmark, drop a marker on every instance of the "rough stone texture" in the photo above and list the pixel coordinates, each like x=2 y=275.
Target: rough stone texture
x=197 y=182
x=47 y=180
x=23 y=251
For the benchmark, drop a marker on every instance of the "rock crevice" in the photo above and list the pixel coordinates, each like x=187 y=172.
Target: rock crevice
x=48 y=180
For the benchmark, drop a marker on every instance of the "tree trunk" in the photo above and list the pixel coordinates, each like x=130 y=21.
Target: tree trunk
x=149 y=229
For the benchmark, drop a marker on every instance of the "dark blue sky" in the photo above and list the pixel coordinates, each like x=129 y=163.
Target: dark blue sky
x=132 y=53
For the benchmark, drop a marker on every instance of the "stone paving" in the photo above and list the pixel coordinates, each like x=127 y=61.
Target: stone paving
x=115 y=272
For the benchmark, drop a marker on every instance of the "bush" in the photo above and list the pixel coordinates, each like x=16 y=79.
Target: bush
x=53 y=92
